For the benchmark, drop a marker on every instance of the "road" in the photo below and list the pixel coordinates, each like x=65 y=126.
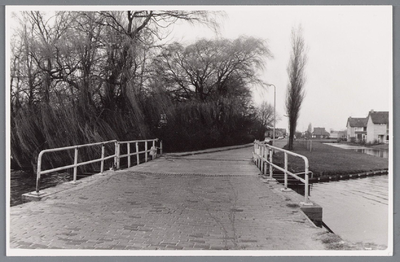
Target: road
x=214 y=201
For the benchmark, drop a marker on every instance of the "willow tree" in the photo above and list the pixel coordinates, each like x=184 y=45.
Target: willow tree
x=77 y=77
x=297 y=78
x=207 y=69
x=210 y=83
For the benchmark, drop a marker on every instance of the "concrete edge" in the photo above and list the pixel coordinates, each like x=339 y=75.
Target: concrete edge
x=65 y=186
x=350 y=175
x=313 y=213
x=210 y=150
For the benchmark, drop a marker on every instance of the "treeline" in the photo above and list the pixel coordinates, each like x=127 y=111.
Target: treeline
x=83 y=77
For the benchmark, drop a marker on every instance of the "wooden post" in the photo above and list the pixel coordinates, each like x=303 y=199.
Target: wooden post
x=160 y=147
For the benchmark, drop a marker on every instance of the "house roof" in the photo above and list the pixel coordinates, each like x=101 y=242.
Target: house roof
x=379 y=117
x=357 y=122
x=320 y=131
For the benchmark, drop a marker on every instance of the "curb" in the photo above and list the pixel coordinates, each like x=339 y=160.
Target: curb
x=210 y=150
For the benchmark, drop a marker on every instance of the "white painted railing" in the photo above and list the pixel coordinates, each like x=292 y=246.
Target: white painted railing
x=263 y=157
x=117 y=156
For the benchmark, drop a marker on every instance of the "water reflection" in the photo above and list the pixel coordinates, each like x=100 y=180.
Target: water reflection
x=374 y=152
x=356 y=209
x=384 y=153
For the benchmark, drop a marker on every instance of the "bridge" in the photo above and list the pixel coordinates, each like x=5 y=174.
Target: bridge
x=209 y=200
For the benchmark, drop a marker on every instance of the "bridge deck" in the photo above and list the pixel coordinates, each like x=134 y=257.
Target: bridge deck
x=212 y=201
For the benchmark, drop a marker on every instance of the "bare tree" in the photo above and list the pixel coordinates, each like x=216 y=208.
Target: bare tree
x=295 y=90
x=207 y=69
x=265 y=113
x=309 y=131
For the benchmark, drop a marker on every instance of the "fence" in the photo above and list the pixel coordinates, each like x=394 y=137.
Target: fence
x=306 y=143
x=117 y=156
x=263 y=157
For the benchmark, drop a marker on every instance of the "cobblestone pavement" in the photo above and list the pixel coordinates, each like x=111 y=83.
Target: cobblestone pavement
x=216 y=202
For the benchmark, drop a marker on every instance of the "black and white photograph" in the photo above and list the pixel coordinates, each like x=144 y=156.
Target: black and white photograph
x=235 y=130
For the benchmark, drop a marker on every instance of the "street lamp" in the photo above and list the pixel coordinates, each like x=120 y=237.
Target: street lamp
x=273 y=135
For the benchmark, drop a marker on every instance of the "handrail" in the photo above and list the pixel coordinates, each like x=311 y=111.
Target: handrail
x=117 y=156
x=262 y=159
x=152 y=150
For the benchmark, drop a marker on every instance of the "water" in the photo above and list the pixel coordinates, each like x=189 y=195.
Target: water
x=362 y=149
x=22 y=182
x=356 y=209
x=374 y=152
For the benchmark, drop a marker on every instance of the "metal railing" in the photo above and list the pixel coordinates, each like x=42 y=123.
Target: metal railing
x=117 y=156
x=152 y=150
x=263 y=157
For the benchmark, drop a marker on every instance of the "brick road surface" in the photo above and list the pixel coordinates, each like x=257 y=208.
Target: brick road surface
x=211 y=201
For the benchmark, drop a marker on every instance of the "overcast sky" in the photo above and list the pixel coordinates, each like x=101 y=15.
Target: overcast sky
x=349 y=69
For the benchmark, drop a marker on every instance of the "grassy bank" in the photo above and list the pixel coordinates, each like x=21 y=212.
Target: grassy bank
x=325 y=160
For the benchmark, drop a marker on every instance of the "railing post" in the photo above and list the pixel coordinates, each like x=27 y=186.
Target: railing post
x=39 y=164
x=118 y=158
x=129 y=153
x=117 y=153
x=161 y=147
x=137 y=153
x=286 y=167
x=270 y=161
x=306 y=183
x=145 y=150
x=153 y=156
x=75 y=163
x=262 y=159
x=102 y=158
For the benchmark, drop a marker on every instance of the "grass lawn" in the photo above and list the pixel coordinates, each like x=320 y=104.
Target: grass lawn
x=330 y=160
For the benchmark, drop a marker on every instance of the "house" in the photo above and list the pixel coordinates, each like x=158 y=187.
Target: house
x=338 y=134
x=279 y=132
x=356 y=129
x=319 y=132
x=377 y=127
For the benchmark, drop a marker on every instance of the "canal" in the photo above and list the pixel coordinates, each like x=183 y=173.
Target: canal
x=363 y=149
x=355 y=209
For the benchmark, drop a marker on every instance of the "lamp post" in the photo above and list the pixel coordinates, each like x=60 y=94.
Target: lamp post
x=273 y=135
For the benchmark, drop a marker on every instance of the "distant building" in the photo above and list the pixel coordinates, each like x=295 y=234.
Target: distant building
x=377 y=127
x=338 y=134
x=320 y=132
x=356 y=129
x=279 y=132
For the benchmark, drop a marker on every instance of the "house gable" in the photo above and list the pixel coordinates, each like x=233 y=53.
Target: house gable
x=357 y=122
x=379 y=118
x=377 y=126
x=320 y=131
